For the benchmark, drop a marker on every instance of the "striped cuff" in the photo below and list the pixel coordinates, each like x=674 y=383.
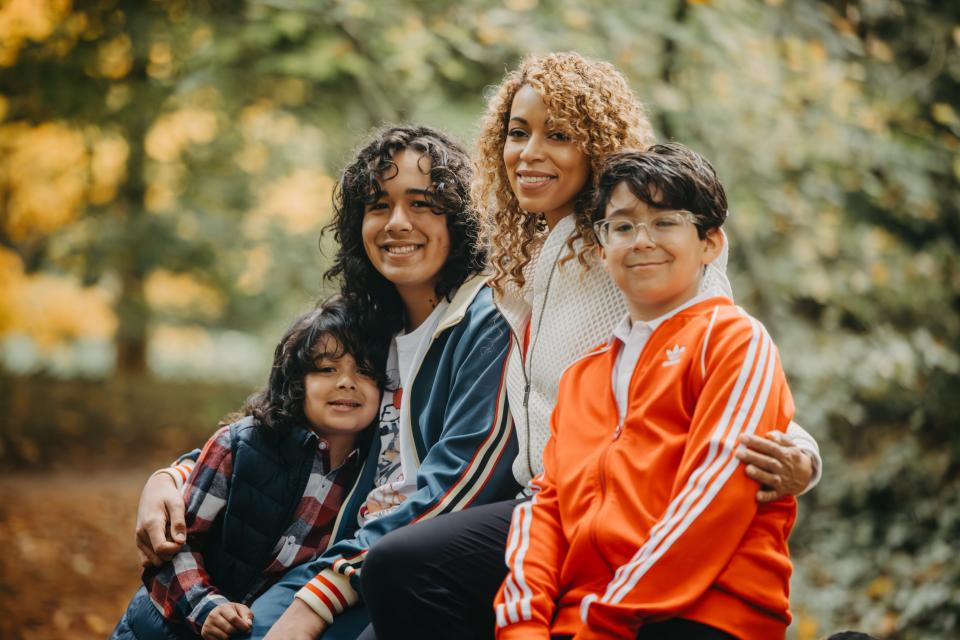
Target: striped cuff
x=329 y=593
x=178 y=472
x=199 y=614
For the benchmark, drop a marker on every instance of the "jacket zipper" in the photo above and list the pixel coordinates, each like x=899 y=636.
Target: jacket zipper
x=602 y=476
x=615 y=436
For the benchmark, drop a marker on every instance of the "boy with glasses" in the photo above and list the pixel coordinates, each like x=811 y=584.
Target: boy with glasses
x=642 y=524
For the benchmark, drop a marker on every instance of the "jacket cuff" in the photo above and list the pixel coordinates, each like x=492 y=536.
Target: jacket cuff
x=199 y=614
x=329 y=593
x=178 y=473
x=524 y=631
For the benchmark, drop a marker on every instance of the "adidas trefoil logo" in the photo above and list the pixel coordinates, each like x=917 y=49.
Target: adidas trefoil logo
x=674 y=355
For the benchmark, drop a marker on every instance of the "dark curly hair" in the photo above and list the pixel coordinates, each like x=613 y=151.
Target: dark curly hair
x=279 y=405
x=451 y=172
x=666 y=176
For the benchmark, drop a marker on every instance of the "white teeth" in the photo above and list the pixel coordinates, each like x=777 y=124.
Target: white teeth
x=401 y=250
x=533 y=179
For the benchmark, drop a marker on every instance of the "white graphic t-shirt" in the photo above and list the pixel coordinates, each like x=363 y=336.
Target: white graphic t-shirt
x=390 y=485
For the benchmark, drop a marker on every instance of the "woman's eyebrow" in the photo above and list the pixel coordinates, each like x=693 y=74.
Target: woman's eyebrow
x=519 y=119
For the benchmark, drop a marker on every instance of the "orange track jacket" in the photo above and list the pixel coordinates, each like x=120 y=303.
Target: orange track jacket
x=653 y=518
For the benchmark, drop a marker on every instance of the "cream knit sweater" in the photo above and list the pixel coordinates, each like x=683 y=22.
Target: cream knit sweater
x=570 y=310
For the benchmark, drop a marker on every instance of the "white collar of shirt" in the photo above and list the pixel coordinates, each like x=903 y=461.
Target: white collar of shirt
x=633 y=338
x=627 y=326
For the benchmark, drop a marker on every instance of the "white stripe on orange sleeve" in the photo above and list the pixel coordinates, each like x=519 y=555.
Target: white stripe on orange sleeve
x=517 y=593
x=511 y=593
x=519 y=574
x=706 y=342
x=501 y=616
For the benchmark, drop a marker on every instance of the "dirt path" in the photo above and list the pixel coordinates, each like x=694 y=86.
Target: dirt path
x=68 y=564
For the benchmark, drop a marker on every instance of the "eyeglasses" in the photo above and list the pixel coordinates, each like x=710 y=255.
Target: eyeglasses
x=663 y=227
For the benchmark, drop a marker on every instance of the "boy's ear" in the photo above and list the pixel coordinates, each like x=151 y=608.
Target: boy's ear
x=712 y=245
x=603 y=257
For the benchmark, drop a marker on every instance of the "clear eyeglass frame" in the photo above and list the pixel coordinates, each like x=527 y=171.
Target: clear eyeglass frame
x=660 y=228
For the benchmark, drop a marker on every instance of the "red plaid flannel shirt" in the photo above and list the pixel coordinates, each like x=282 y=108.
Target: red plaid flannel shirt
x=182 y=590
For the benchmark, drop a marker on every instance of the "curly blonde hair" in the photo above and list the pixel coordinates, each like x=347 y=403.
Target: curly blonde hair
x=588 y=99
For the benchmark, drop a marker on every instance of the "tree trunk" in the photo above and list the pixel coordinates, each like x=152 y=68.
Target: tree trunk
x=133 y=315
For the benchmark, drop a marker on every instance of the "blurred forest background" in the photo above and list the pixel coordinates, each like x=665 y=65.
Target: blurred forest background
x=166 y=168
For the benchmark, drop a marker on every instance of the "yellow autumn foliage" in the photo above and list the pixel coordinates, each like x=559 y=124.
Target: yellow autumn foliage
x=43 y=177
x=253 y=157
x=262 y=122
x=299 y=202
x=183 y=292
x=171 y=133
x=51 y=309
x=11 y=273
x=114 y=57
x=108 y=166
x=806 y=626
x=22 y=20
x=161 y=60
x=257 y=262
x=50 y=172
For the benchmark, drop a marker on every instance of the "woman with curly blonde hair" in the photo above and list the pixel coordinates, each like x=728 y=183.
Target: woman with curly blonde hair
x=592 y=107
x=547 y=129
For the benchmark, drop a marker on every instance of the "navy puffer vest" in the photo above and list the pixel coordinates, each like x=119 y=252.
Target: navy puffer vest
x=270 y=473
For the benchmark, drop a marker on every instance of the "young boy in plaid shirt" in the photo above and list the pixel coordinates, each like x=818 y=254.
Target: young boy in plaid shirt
x=267 y=491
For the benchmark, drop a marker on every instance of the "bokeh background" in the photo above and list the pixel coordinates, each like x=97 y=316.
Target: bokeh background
x=165 y=172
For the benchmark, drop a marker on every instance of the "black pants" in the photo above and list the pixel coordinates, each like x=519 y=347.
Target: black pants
x=676 y=629
x=438 y=578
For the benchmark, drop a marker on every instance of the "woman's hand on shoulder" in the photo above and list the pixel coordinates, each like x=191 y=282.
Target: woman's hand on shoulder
x=781 y=467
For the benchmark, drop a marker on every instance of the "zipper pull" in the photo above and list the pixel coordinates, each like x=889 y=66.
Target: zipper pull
x=617 y=431
x=526 y=394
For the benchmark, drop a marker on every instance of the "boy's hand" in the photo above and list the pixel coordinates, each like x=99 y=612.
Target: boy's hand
x=161 y=529
x=298 y=622
x=781 y=467
x=225 y=620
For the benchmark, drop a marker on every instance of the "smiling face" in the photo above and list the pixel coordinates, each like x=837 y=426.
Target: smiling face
x=546 y=169
x=340 y=396
x=655 y=277
x=404 y=239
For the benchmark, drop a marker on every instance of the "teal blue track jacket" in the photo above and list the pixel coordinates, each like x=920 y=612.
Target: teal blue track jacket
x=455 y=406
